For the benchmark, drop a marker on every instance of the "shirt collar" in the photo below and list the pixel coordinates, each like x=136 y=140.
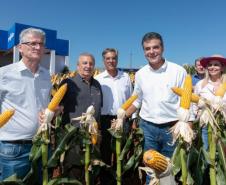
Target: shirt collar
x=161 y=69
x=83 y=80
x=107 y=75
x=197 y=76
x=21 y=67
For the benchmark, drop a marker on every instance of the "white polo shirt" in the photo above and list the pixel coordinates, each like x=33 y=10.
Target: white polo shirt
x=116 y=90
x=158 y=102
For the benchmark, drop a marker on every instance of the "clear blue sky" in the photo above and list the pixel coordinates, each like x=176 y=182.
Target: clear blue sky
x=190 y=28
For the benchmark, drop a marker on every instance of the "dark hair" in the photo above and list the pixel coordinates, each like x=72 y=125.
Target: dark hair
x=110 y=50
x=150 y=36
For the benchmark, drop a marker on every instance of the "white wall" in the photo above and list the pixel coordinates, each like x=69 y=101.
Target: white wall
x=59 y=62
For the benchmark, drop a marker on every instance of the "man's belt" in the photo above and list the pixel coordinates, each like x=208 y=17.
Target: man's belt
x=18 y=142
x=109 y=116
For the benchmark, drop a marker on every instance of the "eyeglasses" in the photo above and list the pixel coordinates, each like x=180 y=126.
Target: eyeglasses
x=33 y=44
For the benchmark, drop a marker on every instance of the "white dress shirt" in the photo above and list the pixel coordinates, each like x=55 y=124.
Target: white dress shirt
x=28 y=94
x=157 y=101
x=116 y=90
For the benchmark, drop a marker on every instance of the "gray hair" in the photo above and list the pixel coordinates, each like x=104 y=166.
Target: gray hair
x=33 y=31
x=87 y=55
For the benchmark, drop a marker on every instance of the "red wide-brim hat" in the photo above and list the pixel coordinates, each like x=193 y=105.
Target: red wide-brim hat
x=204 y=61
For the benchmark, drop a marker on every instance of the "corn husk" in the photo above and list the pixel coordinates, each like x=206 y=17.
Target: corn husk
x=182 y=128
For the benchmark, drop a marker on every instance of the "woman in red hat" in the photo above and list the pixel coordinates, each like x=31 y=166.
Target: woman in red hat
x=215 y=75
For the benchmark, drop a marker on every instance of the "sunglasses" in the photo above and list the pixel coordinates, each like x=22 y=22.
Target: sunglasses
x=214 y=64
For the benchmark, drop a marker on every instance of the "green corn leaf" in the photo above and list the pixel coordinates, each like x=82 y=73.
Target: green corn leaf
x=126 y=147
x=34 y=150
x=176 y=159
x=195 y=163
x=222 y=157
x=12 y=180
x=116 y=134
x=58 y=121
x=190 y=180
x=64 y=181
x=19 y=182
x=129 y=164
x=34 y=165
x=183 y=157
x=138 y=155
x=53 y=161
x=220 y=176
x=206 y=155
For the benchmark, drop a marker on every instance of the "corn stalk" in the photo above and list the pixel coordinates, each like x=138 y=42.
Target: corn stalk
x=44 y=146
x=87 y=162
x=88 y=123
x=183 y=165
x=212 y=154
x=48 y=116
x=119 y=166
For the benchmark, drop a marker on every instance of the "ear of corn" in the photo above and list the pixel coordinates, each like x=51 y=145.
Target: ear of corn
x=221 y=90
x=129 y=102
x=57 y=97
x=5 y=116
x=155 y=160
x=94 y=135
x=187 y=92
x=53 y=91
x=179 y=92
x=195 y=98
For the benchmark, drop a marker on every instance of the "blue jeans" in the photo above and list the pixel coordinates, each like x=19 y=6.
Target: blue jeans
x=157 y=137
x=14 y=159
x=205 y=137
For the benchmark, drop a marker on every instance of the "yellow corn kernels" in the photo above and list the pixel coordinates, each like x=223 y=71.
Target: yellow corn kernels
x=129 y=102
x=195 y=98
x=177 y=90
x=57 y=97
x=221 y=90
x=155 y=160
x=5 y=116
x=187 y=92
x=94 y=135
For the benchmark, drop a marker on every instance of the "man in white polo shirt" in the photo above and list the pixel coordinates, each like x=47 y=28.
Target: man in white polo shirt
x=116 y=88
x=157 y=102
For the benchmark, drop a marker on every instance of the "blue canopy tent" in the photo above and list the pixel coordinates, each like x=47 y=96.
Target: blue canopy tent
x=57 y=50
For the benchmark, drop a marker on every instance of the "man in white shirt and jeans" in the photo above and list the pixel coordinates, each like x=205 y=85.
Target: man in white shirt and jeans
x=157 y=102
x=116 y=88
x=24 y=86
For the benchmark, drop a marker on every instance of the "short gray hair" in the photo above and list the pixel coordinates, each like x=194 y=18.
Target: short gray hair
x=87 y=55
x=33 y=31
